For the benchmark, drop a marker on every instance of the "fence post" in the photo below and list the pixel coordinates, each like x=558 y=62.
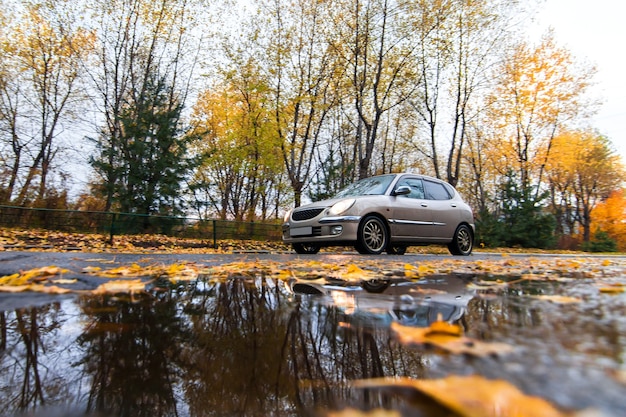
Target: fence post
x=214 y=234
x=111 y=232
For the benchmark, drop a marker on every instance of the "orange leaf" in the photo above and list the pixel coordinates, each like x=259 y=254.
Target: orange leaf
x=350 y=412
x=559 y=299
x=472 y=396
x=447 y=338
x=613 y=289
x=121 y=286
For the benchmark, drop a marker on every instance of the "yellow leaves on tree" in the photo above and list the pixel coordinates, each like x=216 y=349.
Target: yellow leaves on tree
x=582 y=170
x=470 y=396
x=609 y=216
x=537 y=91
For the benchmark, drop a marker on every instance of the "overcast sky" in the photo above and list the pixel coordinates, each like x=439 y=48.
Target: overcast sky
x=595 y=31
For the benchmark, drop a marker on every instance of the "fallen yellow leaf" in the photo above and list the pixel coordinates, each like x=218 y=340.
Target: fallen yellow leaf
x=471 y=396
x=350 y=412
x=559 y=299
x=14 y=288
x=49 y=289
x=64 y=281
x=448 y=338
x=12 y=280
x=31 y=275
x=121 y=286
x=355 y=272
x=443 y=327
x=612 y=289
x=181 y=272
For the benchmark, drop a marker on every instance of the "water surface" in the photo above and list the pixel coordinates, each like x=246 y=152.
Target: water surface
x=264 y=347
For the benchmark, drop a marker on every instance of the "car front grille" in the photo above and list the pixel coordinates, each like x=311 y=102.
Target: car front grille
x=306 y=214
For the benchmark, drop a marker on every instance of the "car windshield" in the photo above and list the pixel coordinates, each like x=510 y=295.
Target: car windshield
x=367 y=186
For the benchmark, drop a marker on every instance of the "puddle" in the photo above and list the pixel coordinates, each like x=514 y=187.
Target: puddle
x=259 y=347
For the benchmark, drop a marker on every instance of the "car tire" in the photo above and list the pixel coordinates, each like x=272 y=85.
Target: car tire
x=375 y=286
x=305 y=248
x=396 y=250
x=373 y=236
x=462 y=242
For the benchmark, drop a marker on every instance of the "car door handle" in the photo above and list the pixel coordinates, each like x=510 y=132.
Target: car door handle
x=424 y=205
x=453 y=205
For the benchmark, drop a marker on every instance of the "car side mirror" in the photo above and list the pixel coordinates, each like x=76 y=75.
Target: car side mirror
x=402 y=190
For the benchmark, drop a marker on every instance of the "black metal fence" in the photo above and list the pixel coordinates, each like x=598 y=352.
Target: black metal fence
x=109 y=223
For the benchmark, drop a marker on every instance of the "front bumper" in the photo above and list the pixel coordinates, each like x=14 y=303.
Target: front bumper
x=325 y=229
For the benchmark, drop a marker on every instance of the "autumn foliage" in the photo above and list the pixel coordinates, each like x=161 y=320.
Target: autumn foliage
x=610 y=216
x=249 y=117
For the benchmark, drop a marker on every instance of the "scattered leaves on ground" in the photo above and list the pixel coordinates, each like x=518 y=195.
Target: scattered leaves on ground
x=31 y=280
x=354 y=271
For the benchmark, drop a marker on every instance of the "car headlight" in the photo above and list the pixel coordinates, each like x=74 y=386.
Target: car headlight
x=287 y=215
x=341 y=206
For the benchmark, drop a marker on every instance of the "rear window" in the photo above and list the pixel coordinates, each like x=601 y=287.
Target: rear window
x=436 y=191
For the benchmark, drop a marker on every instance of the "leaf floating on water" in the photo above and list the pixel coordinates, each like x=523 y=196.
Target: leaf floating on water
x=445 y=328
x=355 y=273
x=350 y=412
x=447 y=337
x=49 y=289
x=64 y=281
x=471 y=396
x=615 y=288
x=121 y=286
x=127 y=271
x=181 y=272
x=559 y=299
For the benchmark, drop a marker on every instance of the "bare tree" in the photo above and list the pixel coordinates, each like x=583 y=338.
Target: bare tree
x=376 y=46
x=41 y=49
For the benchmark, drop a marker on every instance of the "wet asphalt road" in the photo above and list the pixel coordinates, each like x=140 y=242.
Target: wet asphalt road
x=75 y=262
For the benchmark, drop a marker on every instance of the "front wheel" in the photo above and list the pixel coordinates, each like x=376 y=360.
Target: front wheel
x=306 y=248
x=373 y=236
x=462 y=242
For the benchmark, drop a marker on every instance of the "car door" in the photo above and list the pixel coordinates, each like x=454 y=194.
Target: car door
x=444 y=211
x=411 y=213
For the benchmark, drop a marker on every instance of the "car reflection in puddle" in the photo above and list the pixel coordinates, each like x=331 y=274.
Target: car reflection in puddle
x=381 y=302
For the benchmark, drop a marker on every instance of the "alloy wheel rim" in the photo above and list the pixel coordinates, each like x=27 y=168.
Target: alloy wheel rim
x=373 y=235
x=464 y=240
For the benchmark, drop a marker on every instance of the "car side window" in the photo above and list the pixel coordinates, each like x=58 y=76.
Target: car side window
x=416 y=186
x=436 y=191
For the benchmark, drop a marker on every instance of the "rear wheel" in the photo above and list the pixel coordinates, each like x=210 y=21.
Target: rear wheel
x=306 y=248
x=463 y=241
x=373 y=236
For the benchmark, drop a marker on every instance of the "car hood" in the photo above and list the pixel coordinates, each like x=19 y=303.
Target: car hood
x=331 y=201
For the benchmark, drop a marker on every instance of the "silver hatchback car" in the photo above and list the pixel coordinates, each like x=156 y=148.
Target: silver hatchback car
x=384 y=213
